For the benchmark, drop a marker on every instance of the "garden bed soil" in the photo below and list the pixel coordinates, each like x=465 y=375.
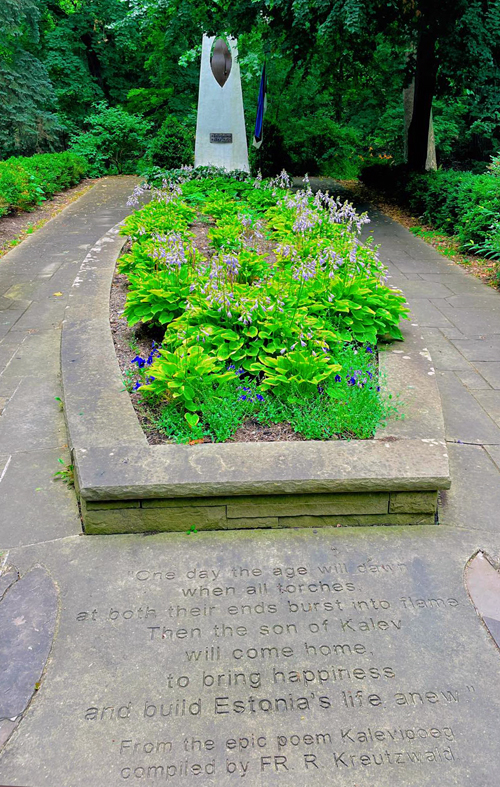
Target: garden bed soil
x=130 y=342
x=15 y=227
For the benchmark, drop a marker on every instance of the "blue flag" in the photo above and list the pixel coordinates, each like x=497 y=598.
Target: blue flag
x=261 y=108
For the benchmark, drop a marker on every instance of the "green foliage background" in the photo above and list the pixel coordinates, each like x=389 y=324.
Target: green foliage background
x=335 y=73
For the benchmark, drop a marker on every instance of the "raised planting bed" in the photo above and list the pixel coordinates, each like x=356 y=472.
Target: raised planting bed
x=126 y=485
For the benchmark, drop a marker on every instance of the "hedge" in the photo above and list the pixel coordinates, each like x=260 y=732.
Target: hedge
x=459 y=203
x=28 y=181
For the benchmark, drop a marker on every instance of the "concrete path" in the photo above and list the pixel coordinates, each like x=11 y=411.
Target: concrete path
x=460 y=321
x=35 y=281
x=113 y=672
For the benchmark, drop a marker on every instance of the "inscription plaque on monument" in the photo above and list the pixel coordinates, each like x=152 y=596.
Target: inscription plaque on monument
x=220 y=138
x=266 y=659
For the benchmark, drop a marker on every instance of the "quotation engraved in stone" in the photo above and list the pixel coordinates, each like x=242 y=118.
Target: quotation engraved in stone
x=314 y=654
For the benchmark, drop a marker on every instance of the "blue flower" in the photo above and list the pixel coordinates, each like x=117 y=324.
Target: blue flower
x=260 y=398
x=338 y=378
x=139 y=361
x=368 y=349
x=351 y=381
x=243 y=398
x=137 y=386
x=378 y=388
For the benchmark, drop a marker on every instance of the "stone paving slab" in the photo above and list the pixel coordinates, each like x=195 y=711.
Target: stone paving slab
x=490 y=401
x=464 y=417
x=32 y=419
x=445 y=356
x=423 y=289
x=490 y=371
x=35 y=506
x=456 y=280
x=36 y=355
x=486 y=300
x=494 y=452
x=478 y=321
x=473 y=501
x=487 y=348
x=151 y=678
x=427 y=314
x=473 y=381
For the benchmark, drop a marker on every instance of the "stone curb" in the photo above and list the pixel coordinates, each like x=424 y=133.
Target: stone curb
x=117 y=472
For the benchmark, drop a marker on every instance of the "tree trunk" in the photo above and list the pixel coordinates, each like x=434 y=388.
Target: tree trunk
x=425 y=86
x=408 y=101
x=94 y=63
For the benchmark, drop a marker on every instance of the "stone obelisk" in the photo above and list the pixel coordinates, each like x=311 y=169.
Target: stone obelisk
x=220 y=128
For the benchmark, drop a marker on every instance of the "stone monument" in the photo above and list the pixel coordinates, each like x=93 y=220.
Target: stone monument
x=220 y=129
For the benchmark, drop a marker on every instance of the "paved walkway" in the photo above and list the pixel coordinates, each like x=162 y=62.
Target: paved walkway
x=458 y=315
x=93 y=591
x=35 y=281
x=460 y=321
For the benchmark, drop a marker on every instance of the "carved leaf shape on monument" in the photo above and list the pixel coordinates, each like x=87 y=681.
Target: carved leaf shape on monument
x=221 y=62
x=483 y=583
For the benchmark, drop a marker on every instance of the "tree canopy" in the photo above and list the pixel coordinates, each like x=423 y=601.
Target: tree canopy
x=336 y=71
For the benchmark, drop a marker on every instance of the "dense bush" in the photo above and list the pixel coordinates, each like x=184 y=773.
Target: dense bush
x=494 y=166
x=272 y=156
x=320 y=146
x=273 y=322
x=114 y=143
x=459 y=203
x=27 y=181
x=173 y=145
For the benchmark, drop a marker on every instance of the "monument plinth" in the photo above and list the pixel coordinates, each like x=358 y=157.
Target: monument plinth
x=220 y=129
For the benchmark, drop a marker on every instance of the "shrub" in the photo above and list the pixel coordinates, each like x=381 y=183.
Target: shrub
x=55 y=172
x=384 y=176
x=459 y=203
x=320 y=146
x=173 y=145
x=494 y=166
x=272 y=156
x=27 y=181
x=115 y=142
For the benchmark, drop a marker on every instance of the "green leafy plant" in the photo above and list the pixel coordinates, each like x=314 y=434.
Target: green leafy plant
x=67 y=474
x=172 y=145
x=239 y=327
x=114 y=143
x=28 y=181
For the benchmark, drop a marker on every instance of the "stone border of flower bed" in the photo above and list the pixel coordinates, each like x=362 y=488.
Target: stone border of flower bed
x=126 y=485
